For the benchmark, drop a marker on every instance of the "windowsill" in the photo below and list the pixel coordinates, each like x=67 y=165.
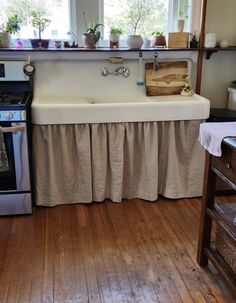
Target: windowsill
x=99 y=53
x=98 y=49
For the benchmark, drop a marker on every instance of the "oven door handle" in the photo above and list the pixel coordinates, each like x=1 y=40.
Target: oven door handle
x=12 y=129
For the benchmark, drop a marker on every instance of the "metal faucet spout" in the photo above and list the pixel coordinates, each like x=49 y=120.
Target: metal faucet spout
x=124 y=71
x=156 y=64
x=121 y=70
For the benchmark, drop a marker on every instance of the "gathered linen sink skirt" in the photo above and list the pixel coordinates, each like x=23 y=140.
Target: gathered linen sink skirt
x=82 y=163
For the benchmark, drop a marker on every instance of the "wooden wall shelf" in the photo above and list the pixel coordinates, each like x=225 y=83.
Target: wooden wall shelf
x=210 y=51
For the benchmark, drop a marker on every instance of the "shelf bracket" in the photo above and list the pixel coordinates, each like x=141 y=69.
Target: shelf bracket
x=209 y=52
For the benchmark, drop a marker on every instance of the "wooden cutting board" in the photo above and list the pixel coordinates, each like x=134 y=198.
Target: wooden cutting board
x=167 y=80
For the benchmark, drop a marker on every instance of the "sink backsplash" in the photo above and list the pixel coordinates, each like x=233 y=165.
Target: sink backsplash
x=83 y=78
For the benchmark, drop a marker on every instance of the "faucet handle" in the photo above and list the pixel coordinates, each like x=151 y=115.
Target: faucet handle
x=104 y=72
x=126 y=72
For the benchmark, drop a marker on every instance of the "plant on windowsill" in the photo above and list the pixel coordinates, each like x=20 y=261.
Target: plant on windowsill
x=41 y=23
x=193 y=42
x=92 y=34
x=182 y=16
x=12 y=27
x=137 y=11
x=75 y=40
x=160 y=39
x=114 y=37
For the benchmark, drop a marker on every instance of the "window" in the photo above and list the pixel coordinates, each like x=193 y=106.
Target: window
x=55 y=10
x=158 y=15
x=67 y=15
x=154 y=16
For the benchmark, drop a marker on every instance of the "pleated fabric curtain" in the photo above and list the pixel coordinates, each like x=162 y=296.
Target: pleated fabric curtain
x=93 y=162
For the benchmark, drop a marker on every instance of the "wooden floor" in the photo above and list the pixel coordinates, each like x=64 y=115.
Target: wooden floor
x=134 y=251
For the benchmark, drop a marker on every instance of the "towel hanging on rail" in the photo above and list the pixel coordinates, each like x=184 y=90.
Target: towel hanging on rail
x=3 y=155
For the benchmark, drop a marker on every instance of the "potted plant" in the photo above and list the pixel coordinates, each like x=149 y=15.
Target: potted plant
x=136 y=13
x=75 y=40
x=160 y=39
x=114 y=37
x=41 y=23
x=12 y=27
x=92 y=35
x=193 y=42
x=183 y=15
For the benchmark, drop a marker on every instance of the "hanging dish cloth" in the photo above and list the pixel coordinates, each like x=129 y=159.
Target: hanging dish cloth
x=3 y=155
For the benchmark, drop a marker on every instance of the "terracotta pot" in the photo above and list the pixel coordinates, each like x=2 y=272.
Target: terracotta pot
x=135 y=41
x=160 y=41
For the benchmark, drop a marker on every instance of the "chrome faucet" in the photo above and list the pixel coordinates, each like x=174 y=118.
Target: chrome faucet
x=105 y=72
x=124 y=71
x=121 y=70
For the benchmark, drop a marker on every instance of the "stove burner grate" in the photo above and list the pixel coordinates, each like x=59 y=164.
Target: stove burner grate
x=13 y=98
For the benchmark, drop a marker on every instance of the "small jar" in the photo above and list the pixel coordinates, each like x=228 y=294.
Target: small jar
x=224 y=43
x=58 y=44
x=210 y=40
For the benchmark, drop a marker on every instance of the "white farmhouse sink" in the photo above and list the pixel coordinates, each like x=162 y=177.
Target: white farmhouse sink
x=79 y=109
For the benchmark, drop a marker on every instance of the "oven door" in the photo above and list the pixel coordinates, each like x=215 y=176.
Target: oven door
x=16 y=177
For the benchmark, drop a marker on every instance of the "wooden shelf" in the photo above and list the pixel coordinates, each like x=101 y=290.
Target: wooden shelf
x=223 y=214
x=210 y=51
x=98 y=49
x=218 y=215
x=220 y=264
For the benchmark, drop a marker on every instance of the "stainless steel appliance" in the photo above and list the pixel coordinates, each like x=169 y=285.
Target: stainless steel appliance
x=15 y=99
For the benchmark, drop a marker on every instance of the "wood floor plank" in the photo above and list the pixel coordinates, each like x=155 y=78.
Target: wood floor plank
x=129 y=252
x=124 y=237
x=191 y=274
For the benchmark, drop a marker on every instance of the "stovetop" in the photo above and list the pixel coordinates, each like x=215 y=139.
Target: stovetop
x=9 y=98
x=14 y=96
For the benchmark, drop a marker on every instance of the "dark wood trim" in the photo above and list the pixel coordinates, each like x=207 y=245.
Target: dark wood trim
x=207 y=202
x=203 y=23
x=199 y=72
x=217 y=212
x=222 y=267
x=201 y=45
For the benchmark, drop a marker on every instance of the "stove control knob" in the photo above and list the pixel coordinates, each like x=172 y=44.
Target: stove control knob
x=8 y=116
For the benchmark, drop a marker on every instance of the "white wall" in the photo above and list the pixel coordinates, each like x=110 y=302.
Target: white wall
x=83 y=77
x=220 y=70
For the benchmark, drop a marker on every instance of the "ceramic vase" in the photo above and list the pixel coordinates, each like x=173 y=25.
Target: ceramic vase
x=114 y=40
x=135 y=41
x=181 y=25
x=90 y=41
x=5 y=40
x=39 y=43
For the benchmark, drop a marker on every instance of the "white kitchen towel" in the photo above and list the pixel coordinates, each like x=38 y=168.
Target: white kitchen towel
x=3 y=155
x=212 y=134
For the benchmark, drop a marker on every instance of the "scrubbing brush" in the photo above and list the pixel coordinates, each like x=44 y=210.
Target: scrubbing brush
x=140 y=80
